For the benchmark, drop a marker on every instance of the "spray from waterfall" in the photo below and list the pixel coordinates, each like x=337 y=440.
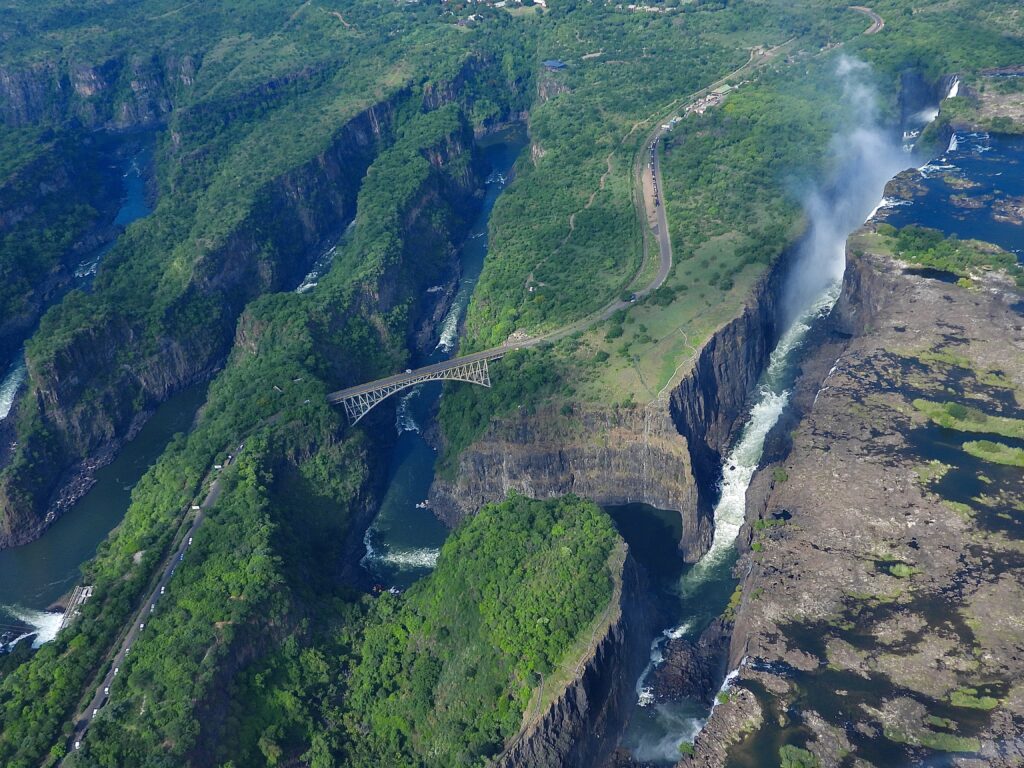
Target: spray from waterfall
x=865 y=157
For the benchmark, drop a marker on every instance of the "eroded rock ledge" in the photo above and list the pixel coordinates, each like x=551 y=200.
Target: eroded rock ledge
x=878 y=612
x=665 y=454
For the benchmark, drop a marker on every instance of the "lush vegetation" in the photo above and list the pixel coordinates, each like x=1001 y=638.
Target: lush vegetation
x=999 y=453
x=931 y=248
x=444 y=673
x=255 y=570
x=964 y=418
x=263 y=158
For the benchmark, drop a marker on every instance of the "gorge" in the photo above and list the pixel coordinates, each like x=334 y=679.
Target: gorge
x=759 y=511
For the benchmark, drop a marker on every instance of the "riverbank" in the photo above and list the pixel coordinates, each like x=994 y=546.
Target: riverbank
x=403 y=539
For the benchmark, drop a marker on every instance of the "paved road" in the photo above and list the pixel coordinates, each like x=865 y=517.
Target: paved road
x=660 y=231
x=176 y=558
x=877 y=22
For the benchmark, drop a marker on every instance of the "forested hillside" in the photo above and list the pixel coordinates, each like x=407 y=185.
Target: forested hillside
x=276 y=125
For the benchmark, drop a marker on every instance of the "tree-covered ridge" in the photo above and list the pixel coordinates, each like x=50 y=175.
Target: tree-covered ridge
x=251 y=177
x=444 y=673
x=566 y=239
x=274 y=546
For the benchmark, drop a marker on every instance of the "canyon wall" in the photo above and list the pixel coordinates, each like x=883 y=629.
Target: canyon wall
x=119 y=93
x=94 y=383
x=581 y=726
x=665 y=454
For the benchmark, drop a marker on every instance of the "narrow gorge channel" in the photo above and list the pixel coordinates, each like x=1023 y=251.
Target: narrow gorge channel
x=403 y=542
x=37 y=575
x=669 y=713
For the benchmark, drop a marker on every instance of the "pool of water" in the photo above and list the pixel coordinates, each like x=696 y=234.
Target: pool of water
x=963 y=187
x=404 y=540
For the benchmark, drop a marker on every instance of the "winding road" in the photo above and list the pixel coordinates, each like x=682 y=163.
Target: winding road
x=656 y=220
x=877 y=22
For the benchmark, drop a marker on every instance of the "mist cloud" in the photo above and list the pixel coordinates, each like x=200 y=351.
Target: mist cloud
x=867 y=156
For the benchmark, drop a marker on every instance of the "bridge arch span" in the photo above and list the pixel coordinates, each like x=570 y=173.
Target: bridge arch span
x=359 y=401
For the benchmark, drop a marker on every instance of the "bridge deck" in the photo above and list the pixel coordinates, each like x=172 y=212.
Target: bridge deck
x=419 y=373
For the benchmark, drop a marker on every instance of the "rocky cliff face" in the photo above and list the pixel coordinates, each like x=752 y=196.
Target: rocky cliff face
x=666 y=454
x=887 y=551
x=120 y=93
x=581 y=726
x=610 y=455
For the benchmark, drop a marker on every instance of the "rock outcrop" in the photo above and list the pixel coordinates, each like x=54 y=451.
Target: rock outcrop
x=874 y=616
x=581 y=726
x=665 y=454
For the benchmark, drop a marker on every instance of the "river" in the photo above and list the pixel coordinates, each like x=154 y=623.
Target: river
x=869 y=156
x=403 y=542
x=34 y=576
x=131 y=167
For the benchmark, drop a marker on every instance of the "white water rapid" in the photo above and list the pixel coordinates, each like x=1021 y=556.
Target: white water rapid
x=867 y=157
x=10 y=384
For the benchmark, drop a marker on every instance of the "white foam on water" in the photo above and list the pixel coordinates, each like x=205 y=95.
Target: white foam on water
x=321 y=267
x=742 y=461
x=404 y=420
x=44 y=623
x=450 y=326
x=885 y=204
x=10 y=384
x=424 y=557
x=88 y=266
x=729 y=516
x=644 y=693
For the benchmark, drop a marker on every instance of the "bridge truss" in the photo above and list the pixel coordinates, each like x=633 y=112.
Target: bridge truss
x=359 y=401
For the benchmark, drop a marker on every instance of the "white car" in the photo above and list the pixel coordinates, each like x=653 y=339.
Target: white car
x=162 y=590
x=116 y=669
x=106 y=691
x=142 y=626
x=78 y=745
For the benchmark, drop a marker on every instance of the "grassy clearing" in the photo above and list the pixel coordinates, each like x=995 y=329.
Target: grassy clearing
x=971 y=699
x=966 y=419
x=998 y=453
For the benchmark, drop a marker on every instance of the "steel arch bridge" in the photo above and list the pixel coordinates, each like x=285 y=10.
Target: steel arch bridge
x=360 y=400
